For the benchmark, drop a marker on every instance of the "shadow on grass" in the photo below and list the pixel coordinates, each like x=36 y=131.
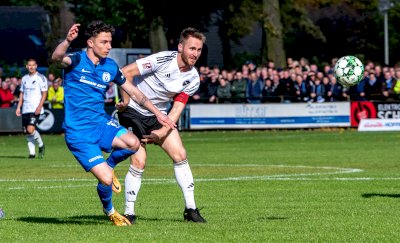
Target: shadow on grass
x=369 y=195
x=85 y=220
x=13 y=157
x=82 y=220
x=159 y=219
x=267 y=218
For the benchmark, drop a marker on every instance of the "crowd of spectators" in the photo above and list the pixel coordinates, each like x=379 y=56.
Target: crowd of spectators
x=298 y=82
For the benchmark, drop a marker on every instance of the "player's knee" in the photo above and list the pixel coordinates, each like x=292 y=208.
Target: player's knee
x=139 y=163
x=106 y=179
x=30 y=130
x=133 y=144
x=179 y=156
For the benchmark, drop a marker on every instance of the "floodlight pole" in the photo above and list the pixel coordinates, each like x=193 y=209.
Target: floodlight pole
x=384 y=6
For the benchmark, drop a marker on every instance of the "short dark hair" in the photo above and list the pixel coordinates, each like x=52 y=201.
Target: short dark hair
x=186 y=33
x=98 y=26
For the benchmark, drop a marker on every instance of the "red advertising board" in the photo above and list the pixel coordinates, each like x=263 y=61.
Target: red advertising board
x=369 y=109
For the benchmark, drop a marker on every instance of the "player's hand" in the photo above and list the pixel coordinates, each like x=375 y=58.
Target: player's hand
x=152 y=138
x=18 y=112
x=121 y=106
x=156 y=137
x=37 y=111
x=166 y=121
x=73 y=32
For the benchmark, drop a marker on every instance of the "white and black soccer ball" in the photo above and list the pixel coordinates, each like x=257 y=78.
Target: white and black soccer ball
x=349 y=70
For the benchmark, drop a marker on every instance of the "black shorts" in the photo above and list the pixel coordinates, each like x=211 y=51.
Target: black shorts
x=29 y=119
x=137 y=123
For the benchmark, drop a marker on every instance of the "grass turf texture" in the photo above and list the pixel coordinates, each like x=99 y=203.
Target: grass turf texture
x=252 y=186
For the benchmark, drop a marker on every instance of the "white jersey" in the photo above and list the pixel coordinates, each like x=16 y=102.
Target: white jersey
x=32 y=87
x=161 y=80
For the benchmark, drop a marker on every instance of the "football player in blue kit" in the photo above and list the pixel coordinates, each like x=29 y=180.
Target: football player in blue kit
x=88 y=129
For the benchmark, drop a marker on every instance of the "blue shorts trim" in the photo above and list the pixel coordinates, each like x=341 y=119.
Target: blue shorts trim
x=121 y=132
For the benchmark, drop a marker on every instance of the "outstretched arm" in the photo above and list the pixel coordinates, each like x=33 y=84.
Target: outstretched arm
x=59 y=54
x=129 y=71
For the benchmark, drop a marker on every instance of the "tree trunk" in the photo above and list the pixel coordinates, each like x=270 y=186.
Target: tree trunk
x=273 y=49
x=158 y=40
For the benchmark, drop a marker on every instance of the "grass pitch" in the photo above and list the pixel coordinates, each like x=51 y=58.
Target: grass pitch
x=251 y=186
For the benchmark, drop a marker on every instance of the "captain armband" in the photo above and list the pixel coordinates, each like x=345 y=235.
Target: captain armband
x=182 y=97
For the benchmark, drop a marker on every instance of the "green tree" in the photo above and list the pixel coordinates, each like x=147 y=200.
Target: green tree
x=126 y=15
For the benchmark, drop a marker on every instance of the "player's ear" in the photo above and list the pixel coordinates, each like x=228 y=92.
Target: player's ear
x=90 y=42
x=180 y=47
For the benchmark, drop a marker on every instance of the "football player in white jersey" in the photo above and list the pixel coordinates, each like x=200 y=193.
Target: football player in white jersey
x=163 y=77
x=31 y=99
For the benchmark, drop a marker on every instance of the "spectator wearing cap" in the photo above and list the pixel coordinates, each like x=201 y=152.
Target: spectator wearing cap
x=251 y=65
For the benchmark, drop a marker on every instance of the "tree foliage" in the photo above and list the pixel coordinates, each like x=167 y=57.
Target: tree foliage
x=315 y=29
x=126 y=15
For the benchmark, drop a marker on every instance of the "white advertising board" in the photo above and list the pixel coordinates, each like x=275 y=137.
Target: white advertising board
x=373 y=124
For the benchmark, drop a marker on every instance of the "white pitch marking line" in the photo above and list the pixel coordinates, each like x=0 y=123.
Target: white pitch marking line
x=241 y=178
x=172 y=181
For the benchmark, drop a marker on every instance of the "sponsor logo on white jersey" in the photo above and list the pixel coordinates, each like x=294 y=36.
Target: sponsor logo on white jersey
x=186 y=83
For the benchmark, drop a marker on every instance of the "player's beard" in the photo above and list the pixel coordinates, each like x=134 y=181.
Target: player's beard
x=188 y=61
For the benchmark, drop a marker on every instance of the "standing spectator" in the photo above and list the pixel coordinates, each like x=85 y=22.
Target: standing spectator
x=305 y=67
x=286 y=89
x=30 y=106
x=200 y=96
x=251 y=65
x=6 y=96
x=254 y=89
x=212 y=86
x=318 y=91
x=56 y=95
x=303 y=89
x=336 y=93
x=373 y=87
x=224 y=91
x=14 y=102
x=238 y=88
x=326 y=83
x=396 y=87
x=388 y=86
x=379 y=74
x=269 y=92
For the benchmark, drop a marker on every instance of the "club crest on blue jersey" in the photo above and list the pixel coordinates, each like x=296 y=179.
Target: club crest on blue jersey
x=106 y=77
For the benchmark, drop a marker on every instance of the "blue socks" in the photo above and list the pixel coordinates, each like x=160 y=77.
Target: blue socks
x=119 y=155
x=105 y=195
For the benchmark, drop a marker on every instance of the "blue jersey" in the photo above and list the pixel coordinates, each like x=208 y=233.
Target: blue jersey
x=85 y=85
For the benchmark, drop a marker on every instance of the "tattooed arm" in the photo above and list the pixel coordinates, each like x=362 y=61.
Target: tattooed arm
x=130 y=90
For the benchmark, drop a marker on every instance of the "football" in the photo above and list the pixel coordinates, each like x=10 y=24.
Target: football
x=349 y=70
